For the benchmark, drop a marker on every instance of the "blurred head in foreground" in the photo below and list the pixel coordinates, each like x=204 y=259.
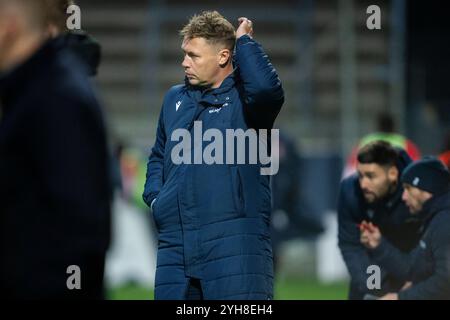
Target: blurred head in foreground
x=22 y=30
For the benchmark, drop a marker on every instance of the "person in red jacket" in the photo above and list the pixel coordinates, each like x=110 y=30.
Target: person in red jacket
x=385 y=132
x=445 y=155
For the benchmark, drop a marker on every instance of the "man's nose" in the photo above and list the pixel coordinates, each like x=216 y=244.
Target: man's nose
x=363 y=183
x=185 y=63
x=404 y=196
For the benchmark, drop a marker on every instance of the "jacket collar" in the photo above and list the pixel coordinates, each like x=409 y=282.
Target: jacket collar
x=394 y=198
x=434 y=205
x=14 y=80
x=84 y=47
x=212 y=97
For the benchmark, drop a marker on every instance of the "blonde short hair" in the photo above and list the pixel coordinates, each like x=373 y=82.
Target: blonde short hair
x=212 y=26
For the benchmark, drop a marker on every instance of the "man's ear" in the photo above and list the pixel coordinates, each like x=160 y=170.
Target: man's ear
x=224 y=57
x=393 y=173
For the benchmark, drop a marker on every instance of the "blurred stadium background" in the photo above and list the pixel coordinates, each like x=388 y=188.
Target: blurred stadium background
x=338 y=76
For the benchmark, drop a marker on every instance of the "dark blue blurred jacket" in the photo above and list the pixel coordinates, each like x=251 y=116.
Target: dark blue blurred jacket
x=55 y=189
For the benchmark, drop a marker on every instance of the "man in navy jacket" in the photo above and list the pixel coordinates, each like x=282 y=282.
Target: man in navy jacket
x=374 y=195
x=213 y=218
x=426 y=269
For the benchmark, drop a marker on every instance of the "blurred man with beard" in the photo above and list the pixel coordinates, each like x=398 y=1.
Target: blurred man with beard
x=373 y=195
x=426 y=269
x=54 y=182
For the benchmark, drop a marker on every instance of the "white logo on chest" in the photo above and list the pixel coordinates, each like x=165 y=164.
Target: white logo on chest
x=217 y=110
x=423 y=245
x=177 y=105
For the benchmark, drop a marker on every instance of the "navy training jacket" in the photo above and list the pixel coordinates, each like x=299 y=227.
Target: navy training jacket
x=213 y=219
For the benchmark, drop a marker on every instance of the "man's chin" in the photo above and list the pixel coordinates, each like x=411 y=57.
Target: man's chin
x=413 y=210
x=370 y=198
x=195 y=82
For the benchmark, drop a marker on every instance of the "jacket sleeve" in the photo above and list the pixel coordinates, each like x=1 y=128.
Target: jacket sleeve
x=155 y=165
x=261 y=88
x=355 y=255
x=395 y=262
x=437 y=286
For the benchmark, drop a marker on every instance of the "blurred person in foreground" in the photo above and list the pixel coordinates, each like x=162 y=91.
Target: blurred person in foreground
x=426 y=270
x=373 y=194
x=54 y=184
x=214 y=220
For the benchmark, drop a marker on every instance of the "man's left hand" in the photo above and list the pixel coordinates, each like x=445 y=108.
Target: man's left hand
x=245 y=28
